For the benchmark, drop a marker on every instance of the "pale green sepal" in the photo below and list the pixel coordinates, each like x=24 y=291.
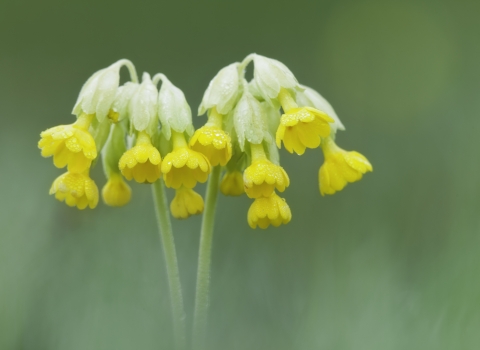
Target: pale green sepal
x=223 y=91
x=98 y=93
x=248 y=120
x=311 y=98
x=271 y=75
x=114 y=149
x=173 y=109
x=143 y=106
x=122 y=99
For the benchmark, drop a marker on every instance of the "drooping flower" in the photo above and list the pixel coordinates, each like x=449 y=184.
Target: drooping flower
x=142 y=162
x=300 y=128
x=232 y=184
x=262 y=177
x=212 y=141
x=186 y=202
x=116 y=192
x=340 y=167
x=184 y=166
x=76 y=189
x=70 y=145
x=266 y=211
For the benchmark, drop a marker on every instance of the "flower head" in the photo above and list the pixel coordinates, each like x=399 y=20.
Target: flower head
x=76 y=189
x=186 y=202
x=116 y=192
x=184 y=166
x=232 y=184
x=340 y=167
x=70 y=145
x=266 y=211
x=142 y=162
x=301 y=128
x=262 y=177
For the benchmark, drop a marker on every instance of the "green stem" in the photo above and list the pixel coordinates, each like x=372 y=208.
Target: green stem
x=176 y=298
x=204 y=259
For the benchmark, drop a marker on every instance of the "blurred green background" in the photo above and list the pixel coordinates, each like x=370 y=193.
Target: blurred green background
x=391 y=262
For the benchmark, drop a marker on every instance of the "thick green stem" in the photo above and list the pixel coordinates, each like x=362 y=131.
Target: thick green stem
x=176 y=297
x=204 y=259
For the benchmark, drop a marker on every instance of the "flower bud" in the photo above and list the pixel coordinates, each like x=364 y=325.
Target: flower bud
x=173 y=109
x=223 y=91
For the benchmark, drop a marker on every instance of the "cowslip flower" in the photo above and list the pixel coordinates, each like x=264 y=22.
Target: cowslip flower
x=76 y=189
x=340 y=168
x=142 y=162
x=186 y=203
x=266 y=211
x=232 y=183
x=70 y=145
x=116 y=192
x=184 y=166
x=262 y=177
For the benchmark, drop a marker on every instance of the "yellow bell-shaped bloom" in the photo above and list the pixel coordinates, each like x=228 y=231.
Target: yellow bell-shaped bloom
x=70 y=145
x=116 y=192
x=184 y=166
x=212 y=141
x=340 y=167
x=76 y=189
x=266 y=211
x=232 y=184
x=142 y=162
x=186 y=202
x=300 y=128
x=262 y=177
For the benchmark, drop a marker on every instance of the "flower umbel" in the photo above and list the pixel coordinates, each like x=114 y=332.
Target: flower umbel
x=266 y=211
x=70 y=145
x=116 y=192
x=212 y=141
x=340 y=168
x=262 y=177
x=300 y=128
x=186 y=202
x=76 y=189
x=232 y=184
x=184 y=166
x=142 y=162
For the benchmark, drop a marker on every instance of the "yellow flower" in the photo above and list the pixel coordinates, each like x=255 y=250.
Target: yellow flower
x=212 y=141
x=186 y=202
x=262 y=176
x=76 y=189
x=142 y=162
x=266 y=211
x=183 y=166
x=340 y=167
x=232 y=184
x=70 y=145
x=116 y=192
x=300 y=128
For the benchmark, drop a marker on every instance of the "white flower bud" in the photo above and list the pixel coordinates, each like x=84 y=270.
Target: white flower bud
x=311 y=98
x=143 y=106
x=271 y=75
x=173 y=109
x=248 y=120
x=223 y=91
x=98 y=93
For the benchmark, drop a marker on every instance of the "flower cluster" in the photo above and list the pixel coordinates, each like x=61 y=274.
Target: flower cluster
x=249 y=120
x=110 y=118
x=144 y=133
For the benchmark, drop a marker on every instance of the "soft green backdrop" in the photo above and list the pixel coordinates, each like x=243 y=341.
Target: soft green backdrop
x=391 y=262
